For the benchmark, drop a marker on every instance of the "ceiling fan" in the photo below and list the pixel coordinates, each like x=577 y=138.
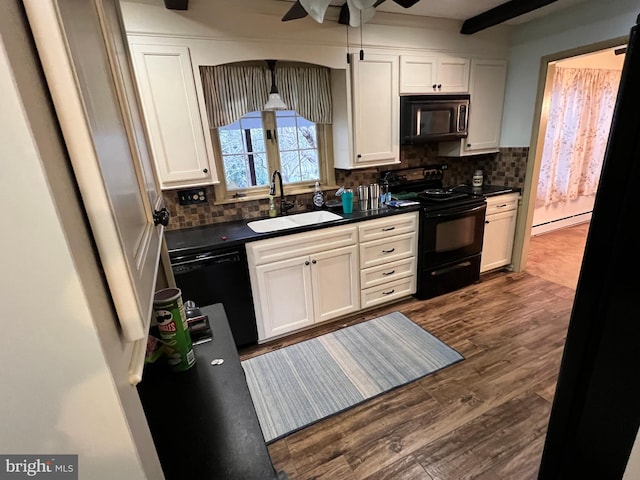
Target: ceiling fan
x=352 y=12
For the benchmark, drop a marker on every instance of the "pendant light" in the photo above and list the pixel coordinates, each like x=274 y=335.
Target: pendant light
x=274 y=102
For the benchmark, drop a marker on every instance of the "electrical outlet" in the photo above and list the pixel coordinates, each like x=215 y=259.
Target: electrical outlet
x=192 y=196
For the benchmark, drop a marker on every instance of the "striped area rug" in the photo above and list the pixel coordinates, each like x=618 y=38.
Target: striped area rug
x=298 y=385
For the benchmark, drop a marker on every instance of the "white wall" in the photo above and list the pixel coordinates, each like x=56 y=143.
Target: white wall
x=584 y=24
x=258 y=23
x=65 y=366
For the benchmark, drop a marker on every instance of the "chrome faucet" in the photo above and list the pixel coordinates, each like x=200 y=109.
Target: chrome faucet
x=284 y=205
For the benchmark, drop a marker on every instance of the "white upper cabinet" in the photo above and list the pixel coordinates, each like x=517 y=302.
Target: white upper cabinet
x=178 y=130
x=433 y=74
x=488 y=81
x=486 y=89
x=375 y=112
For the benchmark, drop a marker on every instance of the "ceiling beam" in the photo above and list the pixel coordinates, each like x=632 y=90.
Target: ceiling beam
x=501 y=13
x=176 y=4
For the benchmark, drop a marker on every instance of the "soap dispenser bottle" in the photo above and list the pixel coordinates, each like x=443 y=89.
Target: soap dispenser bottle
x=318 y=197
x=272 y=206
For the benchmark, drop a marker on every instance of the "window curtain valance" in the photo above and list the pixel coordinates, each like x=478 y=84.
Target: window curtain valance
x=233 y=90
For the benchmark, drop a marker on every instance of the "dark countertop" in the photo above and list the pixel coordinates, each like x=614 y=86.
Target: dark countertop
x=203 y=421
x=195 y=239
x=487 y=190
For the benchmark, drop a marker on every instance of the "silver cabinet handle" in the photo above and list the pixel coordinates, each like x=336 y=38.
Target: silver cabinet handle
x=389 y=292
x=389 y=251
x=385 y=274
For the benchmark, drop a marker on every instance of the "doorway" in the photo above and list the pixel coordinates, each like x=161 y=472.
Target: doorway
x=559 y=229
x=533 y=220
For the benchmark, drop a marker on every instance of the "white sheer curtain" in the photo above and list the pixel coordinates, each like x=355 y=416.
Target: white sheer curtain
x=232 y=90
x=580 y=114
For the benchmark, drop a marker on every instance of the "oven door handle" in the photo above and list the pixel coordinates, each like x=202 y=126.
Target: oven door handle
x=457 y=212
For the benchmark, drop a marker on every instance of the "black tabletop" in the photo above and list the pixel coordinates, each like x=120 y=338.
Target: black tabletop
x=203 y=421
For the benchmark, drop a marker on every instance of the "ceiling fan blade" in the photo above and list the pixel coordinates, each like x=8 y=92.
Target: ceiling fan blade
x=343 y=18
x=295 y=12
x=406 y=3
x=352 y=16
x=316 y=8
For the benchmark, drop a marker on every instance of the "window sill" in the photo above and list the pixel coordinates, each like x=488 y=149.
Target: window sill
x=288 y=191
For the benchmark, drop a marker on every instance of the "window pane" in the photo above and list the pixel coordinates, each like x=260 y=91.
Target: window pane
x=236 y=173
x=297 y=141
x=309 y=164
x=262 y=169
x=231 y=140
x=290 y=167
x=243 y=151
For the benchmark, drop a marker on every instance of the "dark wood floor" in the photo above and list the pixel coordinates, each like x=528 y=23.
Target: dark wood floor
x=483 y=418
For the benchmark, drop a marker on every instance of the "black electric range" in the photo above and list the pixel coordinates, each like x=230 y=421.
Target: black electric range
x=451 y=228
x=425 y=185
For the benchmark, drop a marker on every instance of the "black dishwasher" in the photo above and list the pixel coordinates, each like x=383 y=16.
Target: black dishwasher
x=220 y=276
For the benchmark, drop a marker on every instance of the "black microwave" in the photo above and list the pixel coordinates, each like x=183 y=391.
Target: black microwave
x=433 y=118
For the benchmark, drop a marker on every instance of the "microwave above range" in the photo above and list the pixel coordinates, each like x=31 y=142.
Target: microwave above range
x=433 y=118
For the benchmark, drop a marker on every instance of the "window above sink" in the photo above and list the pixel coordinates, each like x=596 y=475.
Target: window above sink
x=250 y=142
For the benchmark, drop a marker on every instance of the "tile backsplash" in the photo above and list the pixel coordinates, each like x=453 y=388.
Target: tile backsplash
x=506 y=168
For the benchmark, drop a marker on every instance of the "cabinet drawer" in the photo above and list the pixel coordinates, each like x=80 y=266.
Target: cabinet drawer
x=300 y=244
x=502 y=203
x=388 y=226
x=387 y=250
x=389 y=272
x=387 y=292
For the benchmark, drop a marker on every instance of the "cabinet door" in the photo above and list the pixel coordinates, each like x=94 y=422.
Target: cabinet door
x=417 y=74
x=86 y=66
x=283 y=297
x=336 y=286
x=497 y=244
x=168 y=93
x=375 y=110
x=431 y=74
x=453 y=75
x=486 y=89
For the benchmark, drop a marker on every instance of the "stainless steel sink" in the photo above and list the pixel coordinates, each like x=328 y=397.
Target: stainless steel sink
x=292 y=221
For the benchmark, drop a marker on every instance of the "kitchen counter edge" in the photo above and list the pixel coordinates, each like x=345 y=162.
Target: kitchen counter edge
x=236 y=233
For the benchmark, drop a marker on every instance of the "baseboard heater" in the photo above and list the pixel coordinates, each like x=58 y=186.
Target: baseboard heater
x=561 y=223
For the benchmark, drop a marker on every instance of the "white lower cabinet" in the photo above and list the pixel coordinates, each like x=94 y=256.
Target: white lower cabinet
x=499 y=231
x=302 y=279
x=388 y=256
